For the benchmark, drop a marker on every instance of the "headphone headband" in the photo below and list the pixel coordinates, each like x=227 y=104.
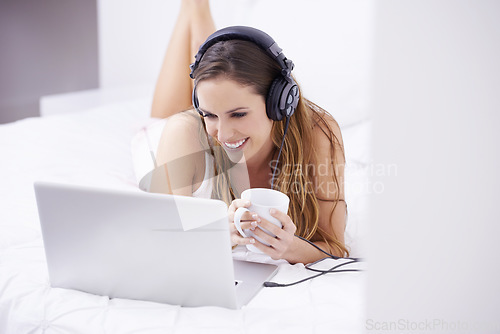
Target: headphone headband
x=283 y=94
x=256 y=36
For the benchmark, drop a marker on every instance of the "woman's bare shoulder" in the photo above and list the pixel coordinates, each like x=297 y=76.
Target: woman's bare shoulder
x=326 y=133
x=330 y=156
x=182 y=134
x=187 y=120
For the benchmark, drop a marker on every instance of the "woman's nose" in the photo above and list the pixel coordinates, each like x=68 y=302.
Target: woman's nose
x=224 y=132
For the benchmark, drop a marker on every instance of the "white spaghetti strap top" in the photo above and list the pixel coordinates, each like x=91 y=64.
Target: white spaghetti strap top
x=205 y=189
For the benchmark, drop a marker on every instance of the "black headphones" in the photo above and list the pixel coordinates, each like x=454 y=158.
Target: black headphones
x=283 y=95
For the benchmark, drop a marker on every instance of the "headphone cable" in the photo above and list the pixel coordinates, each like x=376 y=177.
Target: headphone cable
x=321 y=272
x=357 y=259
x=279 y=153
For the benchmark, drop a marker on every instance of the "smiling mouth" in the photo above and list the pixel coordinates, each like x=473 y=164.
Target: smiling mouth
x=235 y=145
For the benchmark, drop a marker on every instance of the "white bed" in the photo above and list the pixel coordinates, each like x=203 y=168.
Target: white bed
x=93 y=147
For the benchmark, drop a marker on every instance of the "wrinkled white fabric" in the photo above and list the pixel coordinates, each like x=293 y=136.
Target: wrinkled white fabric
x=93 y=148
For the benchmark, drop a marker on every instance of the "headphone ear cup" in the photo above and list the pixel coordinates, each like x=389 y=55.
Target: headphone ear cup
x=282 y=99
x=273 y=99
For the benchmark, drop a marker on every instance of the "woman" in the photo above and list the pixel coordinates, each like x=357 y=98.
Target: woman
x=236 y=144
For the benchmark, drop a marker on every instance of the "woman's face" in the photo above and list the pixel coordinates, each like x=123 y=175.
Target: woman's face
x=236 y=116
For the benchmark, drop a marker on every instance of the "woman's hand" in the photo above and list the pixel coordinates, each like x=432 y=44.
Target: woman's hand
x=248 y=221
x=280 y=246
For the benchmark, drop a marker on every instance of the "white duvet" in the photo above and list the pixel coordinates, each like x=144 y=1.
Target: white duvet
x=94 y=148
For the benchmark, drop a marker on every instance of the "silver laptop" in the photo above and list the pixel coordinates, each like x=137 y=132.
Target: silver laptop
x=138 y=245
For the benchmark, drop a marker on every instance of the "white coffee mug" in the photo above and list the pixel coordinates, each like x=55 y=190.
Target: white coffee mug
x=262 y=200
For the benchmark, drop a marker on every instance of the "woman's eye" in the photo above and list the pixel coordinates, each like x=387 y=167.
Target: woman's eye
x=238 y=114
x=234 y=115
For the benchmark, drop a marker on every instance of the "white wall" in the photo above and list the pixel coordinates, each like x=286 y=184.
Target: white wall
x=329 y=41
x=46 y=47
x=132 y=38
x=434 y=247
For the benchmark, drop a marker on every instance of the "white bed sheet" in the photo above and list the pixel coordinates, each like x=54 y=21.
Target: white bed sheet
x=93 y=148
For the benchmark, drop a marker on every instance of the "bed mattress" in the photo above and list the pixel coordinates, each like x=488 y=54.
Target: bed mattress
x=92 y=148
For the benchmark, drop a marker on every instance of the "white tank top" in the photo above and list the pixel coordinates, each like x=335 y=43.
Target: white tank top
x=205 y=189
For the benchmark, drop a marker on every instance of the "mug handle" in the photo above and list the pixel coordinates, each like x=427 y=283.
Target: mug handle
x=237 y=220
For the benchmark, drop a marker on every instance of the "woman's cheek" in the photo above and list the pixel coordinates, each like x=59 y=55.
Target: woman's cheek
x=211 y=129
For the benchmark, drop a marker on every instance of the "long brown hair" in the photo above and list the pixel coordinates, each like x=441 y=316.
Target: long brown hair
x=248 y=65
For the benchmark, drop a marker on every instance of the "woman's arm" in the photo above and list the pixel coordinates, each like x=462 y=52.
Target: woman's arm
x=180 y=155
x=330 y=192
x=286 y=245
x=331 y=201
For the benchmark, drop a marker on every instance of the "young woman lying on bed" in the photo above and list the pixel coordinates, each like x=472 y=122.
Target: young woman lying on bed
x=231 y=140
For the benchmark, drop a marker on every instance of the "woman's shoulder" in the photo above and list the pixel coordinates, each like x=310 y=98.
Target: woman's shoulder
x=330 y=156
x=186 y=120
x=182 y=134
x=183 y=125
x=326 y=132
